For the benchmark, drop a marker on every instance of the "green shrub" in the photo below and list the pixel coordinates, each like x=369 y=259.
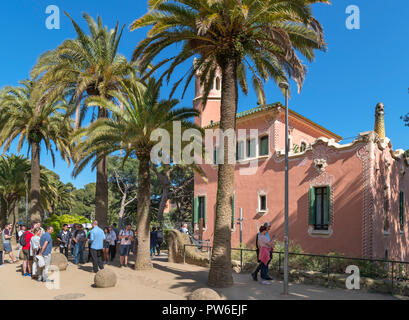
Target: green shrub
x=58 y=221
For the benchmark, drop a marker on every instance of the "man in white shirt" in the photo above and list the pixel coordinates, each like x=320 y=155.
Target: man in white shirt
x=126 y=237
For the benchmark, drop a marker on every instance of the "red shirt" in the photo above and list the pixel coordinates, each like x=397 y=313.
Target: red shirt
x=28 y=235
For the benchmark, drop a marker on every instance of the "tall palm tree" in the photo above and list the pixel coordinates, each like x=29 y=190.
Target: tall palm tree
x=262 y=36
x=37 y=121
x=142 y=113
x=87 y=66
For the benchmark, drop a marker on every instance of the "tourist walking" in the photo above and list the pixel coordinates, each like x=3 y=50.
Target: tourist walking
x=46 y=244
x=105 y=249
x=159 y=240
x=7 y=242
x=37 y=224
x=1 y=248
x=64 y=237
x=25 y=241
x=258 y=269
x=111 y=238
x=79 y=238
x=153 y=241
x=265 y=247
x=126 y=237
x=96 y=240
x=35 y=250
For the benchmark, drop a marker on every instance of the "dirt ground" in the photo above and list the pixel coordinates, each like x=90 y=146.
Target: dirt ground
x=167 y=281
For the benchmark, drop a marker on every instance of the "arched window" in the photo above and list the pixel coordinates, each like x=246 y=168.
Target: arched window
x=217 y=83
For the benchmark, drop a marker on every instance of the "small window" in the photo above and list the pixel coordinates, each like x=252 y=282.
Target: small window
x=251 y=148
x=263 y=150
x=303 y=147
x=262 y=202
x=320 y=207
x=217 y=83
x=240 y=150
x=202 y=211
x=215 y=156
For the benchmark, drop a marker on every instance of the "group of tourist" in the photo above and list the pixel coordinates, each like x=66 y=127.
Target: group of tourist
x=36 y=245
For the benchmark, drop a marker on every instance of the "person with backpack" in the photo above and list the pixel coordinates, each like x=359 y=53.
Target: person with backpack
x=254 y=275
x=24 y=242
x=159 y=240
x=22 y=230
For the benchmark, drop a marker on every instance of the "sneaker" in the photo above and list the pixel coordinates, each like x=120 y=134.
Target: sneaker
x=268 y=278
x=265 y=282
x=28 y=274
x=254 y=276
x=24 y=274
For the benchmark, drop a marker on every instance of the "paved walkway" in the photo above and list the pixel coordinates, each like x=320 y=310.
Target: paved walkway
x=165 y=281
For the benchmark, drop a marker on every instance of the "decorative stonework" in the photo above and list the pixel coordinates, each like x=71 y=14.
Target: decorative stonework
x=364 y=155
x=320 y=164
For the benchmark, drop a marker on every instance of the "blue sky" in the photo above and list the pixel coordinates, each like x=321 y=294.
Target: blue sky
x=360 y=68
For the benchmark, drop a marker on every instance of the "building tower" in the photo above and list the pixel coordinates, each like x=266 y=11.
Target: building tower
x=380 y=120
x=210 y=113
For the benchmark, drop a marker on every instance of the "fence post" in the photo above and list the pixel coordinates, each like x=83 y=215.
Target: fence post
x=241 y=259
x=392 y=275
x=328 y=262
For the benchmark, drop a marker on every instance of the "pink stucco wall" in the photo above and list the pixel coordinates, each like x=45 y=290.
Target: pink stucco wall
x=343 y=172
x=392 y=173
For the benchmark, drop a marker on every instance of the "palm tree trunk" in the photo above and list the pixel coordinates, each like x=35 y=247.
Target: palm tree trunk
x=164 y=178
x=36 y=210
x=3 y=212
x=101 y=188
x=143 y=260
x=220 y=274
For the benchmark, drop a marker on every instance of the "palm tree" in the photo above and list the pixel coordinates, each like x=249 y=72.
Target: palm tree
x=13 y=171
x=262 y=36
x=142 y=114
x=87 y=66
x=26 y=114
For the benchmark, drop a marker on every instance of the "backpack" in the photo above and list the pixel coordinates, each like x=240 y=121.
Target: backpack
x=22 y=240
x=159 y=236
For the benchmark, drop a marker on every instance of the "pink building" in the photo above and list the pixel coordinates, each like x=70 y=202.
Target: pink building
x=345 y=198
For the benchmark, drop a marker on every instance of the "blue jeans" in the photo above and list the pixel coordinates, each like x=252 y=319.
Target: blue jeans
x=79 y=251
x=1 y=258
x=264 y=270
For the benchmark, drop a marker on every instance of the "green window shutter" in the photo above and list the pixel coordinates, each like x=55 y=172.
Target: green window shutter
x=196 y=211
x=329 y=205
x=215 y=156
x=311 y=216
x=401 y=207
x=204 y=211
x=233 y=210
x=263 y=146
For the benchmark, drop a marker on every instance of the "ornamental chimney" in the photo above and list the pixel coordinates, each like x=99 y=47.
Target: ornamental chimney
x=380 y=120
